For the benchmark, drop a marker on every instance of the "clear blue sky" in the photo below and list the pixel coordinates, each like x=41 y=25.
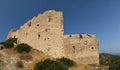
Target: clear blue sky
x=99 y=17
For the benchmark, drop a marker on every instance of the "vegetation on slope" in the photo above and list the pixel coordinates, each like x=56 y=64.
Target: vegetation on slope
x=59 y=64
x=9 y=43
x=110 y=60
x=66 y=61
x=23 y=48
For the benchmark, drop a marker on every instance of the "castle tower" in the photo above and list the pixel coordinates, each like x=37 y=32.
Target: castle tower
x=44 y=32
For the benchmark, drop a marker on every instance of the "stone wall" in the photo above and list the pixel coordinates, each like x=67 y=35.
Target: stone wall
x=45 y=33
x=82 y=48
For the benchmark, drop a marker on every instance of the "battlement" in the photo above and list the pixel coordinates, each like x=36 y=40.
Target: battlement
x=79 y=36
x=87 y=35
x=76 y=36
x=11 y=33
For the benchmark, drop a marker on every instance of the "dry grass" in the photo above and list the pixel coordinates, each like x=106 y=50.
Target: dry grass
x=29 y=59
x=81 y=67
x=35 y=56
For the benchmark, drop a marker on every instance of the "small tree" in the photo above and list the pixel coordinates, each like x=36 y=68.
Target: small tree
x=13 y=40
x=23 y=48
x=50 y=65
x=66 y=61
x=8 y=44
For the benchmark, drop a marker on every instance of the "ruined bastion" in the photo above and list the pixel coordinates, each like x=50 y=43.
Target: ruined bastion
x=45 y=33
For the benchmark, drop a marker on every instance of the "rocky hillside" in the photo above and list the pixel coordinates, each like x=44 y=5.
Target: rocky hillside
x=10 y=60
x=112 y=61
x=15 y=56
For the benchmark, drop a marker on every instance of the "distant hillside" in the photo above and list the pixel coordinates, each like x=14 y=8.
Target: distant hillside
x=112 y=61
x=117 y=54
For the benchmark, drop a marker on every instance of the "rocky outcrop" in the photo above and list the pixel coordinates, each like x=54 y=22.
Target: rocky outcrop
x=7 y=62
x=11 y=60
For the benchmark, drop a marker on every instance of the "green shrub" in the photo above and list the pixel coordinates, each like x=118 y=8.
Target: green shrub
x=50 y=65
x=104 y=63
x=110 y=60
x=114 y=67
x=23 y=48
x=115 y=63
x=8 y=44
x=66 y=61
x=13 y=40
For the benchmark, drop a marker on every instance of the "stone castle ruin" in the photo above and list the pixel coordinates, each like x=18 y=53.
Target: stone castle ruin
x=45 y=33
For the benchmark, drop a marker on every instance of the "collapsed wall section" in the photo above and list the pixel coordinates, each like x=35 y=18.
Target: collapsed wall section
x=12 y=33
x=44 y=32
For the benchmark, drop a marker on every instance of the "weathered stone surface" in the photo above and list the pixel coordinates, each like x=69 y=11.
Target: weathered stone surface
x=2 y=64
x=7 y=63
x=45 y=33
x=82 y=48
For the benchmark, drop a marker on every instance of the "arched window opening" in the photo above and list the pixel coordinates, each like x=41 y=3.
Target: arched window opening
x=73 y=49
x=81 y=36
x=29 y=24
x=38 y=35
x=92 y=48
x=38 y=24
x=49 y=18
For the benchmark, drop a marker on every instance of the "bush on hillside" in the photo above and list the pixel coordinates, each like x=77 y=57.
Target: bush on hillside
x=115 y=63
x=67 y=61
x=50 y=65
x=8 y=44
x=23 y=48
x=13 y=40
x=114 y=67
x=110 y=60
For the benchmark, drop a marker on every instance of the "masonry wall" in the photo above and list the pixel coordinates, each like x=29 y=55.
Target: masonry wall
x=44 y=32
x=82 y=48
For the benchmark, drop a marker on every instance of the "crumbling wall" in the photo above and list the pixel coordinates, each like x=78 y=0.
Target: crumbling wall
x=12 y=33
x=44 y=32
x=82 y=48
